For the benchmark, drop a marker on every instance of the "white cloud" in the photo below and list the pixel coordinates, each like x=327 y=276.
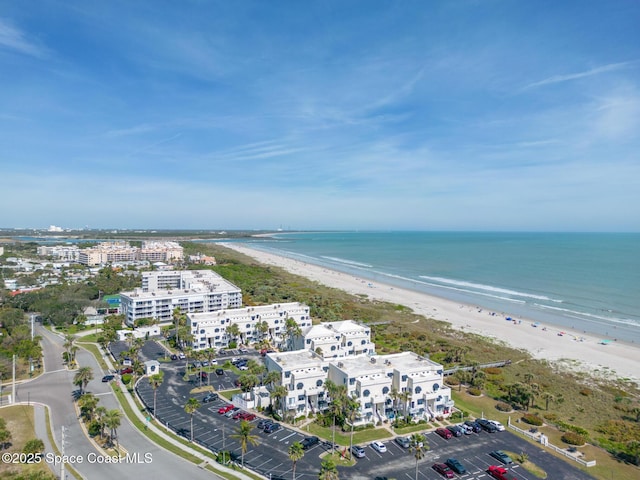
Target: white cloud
x=575 y=76
x=14 y=39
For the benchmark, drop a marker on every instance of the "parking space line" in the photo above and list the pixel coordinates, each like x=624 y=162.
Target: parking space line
x=288 y=436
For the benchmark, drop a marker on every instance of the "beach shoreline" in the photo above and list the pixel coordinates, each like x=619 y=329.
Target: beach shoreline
x=567 y=348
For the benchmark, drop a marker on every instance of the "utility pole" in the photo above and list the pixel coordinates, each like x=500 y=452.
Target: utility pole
x=13 y=387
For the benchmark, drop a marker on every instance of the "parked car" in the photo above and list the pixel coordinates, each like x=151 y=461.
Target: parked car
x=272 y=427
x=499 y=473
x=379 y=446
x=204 y=375
x=358 y=451
x=404 y=442
x=196 y=364
x=249 y=417
x=174 y=356
x=498 y=425
x=231 y=412
x=474 y=425
x=309 y=442
x=226 y=408
x=503 y=457
x=487 y=425
x=210 y=397
x=456 y=466
x=238 y=415
x=243 y=367
x=107 y=378
x=444 y=433
x=264 y=422
x=468 y=430
x=126 y=370
x=219 y=371
x=443 y=470
x=455 y=430
x=182 y=356
x=243 y=350
x=205 y=363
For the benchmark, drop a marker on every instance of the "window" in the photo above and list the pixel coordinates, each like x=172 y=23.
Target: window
x=202 y=331
x=367 y=405
x=319 y=383
x=300 y=386
x=366 y=393
x=385 y=390
x=333 y=347
x=421 y=401
x=287 y=374
x=418 y=389
x=308 y=341
x=349 y=343
x=301 y=398
x=363 y=342
x=404 y=378
x=435 y=387
x=217 y=330
x=352 y=381
x=248 y=325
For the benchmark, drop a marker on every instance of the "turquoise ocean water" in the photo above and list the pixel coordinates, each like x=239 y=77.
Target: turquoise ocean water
x=590 y=282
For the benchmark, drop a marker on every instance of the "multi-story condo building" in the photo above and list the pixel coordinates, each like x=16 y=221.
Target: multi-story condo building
x=383 y=385
x=108 y=252
x=190 y=290
x=154 y=251
x=254 y=324
x=336 y=339
x=404 y=382
x=67 y=253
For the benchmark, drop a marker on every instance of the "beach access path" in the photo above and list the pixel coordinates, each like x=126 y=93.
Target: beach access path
x=569 y=349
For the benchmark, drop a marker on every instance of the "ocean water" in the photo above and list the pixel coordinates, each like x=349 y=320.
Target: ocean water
x=586 y=281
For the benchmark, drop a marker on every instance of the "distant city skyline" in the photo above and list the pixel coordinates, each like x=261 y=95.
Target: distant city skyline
x=320 y=115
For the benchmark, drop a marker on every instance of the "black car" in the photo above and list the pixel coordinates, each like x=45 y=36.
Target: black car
x=108 y=378
x=309 y=442
x=210 y=397
x=487 y=425
x=219 y=371
x=174 y=357
x=456 y=466
x=272 y=427
x=264 y=422
x=474 y=425
x=456 y=430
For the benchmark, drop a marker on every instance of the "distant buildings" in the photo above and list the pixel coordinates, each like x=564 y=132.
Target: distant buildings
x=191 y=290
x=113 y=252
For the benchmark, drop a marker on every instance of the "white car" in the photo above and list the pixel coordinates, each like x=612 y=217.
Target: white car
x=498 y=425
x=379 y=447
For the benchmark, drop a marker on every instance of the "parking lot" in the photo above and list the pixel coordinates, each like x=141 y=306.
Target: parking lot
x=270 y=457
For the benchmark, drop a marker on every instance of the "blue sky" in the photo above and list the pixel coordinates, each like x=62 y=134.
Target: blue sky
x=450 y=115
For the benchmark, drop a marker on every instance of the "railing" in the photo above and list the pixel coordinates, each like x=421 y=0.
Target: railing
x=562 y=451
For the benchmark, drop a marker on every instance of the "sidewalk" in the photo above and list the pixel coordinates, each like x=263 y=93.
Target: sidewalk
x=41 y=429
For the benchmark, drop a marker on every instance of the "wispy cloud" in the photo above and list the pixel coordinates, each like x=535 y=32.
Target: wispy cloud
x=575 y=76
x=13 y=38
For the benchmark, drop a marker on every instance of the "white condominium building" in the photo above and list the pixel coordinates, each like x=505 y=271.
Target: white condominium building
x=404 y=382
x=383 y=385
x=336 y=339
x=108 y=252
x=210 y=329
x=304 y=373
x=67 y=253
x=154 y=251
x=190 y=290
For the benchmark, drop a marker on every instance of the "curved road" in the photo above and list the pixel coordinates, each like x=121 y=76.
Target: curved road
x=55 y=388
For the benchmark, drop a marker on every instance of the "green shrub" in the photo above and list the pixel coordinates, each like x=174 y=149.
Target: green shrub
x=94 y=429
x=552 y=417
x=476 y=392
x=573 y=438
x=503 y=407
x=126 y=378
x=532 y=419
x=33 y=446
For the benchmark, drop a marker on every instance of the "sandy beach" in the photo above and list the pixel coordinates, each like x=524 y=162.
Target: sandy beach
x=566 y=348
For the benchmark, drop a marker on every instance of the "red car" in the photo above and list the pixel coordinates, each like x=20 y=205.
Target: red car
x=225 y=408
x=239 y=415
x=442 y=469
x=444 y=433
x=126 y=370
x=499 y=473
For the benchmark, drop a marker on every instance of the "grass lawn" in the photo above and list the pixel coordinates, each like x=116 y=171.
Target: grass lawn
x=19 y=420
x=339 y=459
x=414 y=428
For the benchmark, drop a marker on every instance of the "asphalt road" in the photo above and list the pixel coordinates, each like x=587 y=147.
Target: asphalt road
x=55 y=388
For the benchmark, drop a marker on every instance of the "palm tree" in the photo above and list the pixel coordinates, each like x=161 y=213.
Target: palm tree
x=279 y=393
x=234 y=331
x=418 y=448
x=351 y=408
x=68 y=343
x=245 y=438
x=262 y=327
x=405 y=396
x=547 y=397
x=395 y=396
x=82 y=378
x=100 y=414
x=88 y=403
x=155 y=381
x=296 y=452
x=272 y=377
x=328 y=470
x=112 y=420
x=178 y=318
x=192 y=405
x=292 y=329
